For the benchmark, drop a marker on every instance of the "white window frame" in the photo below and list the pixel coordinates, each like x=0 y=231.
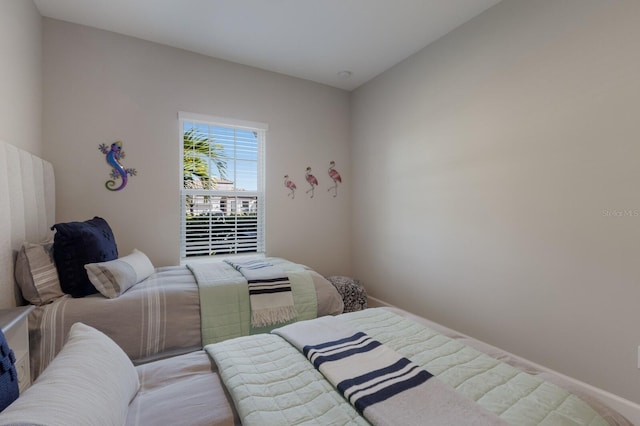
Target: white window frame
x=261 y=129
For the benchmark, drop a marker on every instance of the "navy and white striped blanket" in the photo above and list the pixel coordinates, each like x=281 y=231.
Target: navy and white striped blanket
x=383 y=386
x=270 y=292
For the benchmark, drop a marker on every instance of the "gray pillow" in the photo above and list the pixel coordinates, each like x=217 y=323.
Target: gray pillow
x=114 y=277
x=36 y=273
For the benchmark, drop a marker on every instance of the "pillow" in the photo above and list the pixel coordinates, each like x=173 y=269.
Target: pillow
x=90 y=382
x=36 y=273
x=9 y=389
x=114 y=277
x=77 y=243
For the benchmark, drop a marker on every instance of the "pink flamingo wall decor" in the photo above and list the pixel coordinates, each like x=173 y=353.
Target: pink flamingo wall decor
x=335 y=176
x=312 y=181
x=291 y=186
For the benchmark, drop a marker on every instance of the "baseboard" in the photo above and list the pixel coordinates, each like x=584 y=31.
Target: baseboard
x=373 y=302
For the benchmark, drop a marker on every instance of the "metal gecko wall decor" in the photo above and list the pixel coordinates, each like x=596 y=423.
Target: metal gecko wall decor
x=313 y=182
x=114 y=154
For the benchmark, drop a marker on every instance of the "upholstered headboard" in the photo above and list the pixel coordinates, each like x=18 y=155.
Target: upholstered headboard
x=27 y=210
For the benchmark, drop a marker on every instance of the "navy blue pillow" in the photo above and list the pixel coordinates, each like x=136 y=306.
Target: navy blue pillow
x=8 y=376
x=77 y=243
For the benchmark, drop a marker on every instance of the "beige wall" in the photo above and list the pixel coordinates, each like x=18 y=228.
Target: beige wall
x=100 y=87
x=497 y=184
x=21 y=75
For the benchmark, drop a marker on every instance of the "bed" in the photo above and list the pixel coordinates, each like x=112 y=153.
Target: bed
x=156 y=318
x=207 y=387
x=155 y=314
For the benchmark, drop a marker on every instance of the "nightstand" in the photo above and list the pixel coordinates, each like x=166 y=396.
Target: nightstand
x=14 y=325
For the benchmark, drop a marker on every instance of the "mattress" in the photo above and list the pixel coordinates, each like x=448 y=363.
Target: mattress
x=157 y=318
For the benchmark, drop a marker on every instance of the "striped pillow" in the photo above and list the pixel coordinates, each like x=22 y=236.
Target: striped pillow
x=114 y=277
x=36 y=273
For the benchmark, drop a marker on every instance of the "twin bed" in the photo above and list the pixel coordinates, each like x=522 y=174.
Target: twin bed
x=156 y=318
x=263 y=378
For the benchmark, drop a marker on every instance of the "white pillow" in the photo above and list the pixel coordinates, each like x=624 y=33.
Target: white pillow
x=114 y=277
x=90 y=382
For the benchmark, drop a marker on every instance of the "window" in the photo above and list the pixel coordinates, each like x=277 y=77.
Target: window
x=222 y=190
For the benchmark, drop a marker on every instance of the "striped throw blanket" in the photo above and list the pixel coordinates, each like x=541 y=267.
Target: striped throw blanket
x=383 y=386
x=269 y=292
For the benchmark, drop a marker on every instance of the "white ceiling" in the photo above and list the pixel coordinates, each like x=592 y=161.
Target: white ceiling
x=310 y=39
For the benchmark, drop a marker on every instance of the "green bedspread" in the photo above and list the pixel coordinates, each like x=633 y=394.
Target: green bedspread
x=225 y=310
x=272 y=383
